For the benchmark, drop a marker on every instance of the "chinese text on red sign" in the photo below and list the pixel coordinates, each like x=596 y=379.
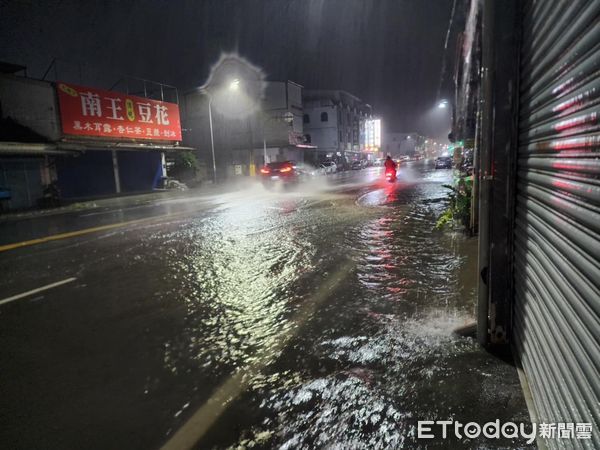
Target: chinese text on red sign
x=94 y=112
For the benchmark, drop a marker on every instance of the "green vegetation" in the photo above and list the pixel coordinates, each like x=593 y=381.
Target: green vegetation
x=186 y=160
x=459 y=207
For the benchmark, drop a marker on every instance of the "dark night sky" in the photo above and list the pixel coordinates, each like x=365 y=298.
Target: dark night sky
x=388 y=52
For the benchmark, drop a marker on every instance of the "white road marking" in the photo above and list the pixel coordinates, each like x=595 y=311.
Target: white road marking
x=35 y=291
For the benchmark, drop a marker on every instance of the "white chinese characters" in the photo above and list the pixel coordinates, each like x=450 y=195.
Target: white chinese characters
x=90 y=104
x=162 y=117
x=114 y=107
x=145 y=111
x=107 y=128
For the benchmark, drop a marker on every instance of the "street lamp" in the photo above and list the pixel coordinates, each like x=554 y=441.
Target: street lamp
x=212 y=137
x=233 y=87
x=443 y=104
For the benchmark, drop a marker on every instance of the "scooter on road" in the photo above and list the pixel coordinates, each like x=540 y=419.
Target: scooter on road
x=390 y=175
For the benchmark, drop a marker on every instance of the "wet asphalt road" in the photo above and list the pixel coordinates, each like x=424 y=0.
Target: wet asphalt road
x=305 y=319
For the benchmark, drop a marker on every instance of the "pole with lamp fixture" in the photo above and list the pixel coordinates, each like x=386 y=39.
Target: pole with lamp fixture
x=233 y=86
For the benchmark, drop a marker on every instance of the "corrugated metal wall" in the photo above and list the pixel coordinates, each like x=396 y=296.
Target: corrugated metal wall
x=556 y=314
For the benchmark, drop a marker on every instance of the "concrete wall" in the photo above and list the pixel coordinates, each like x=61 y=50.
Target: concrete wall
x=295 y=106
x=399 y=143
x=275 y=95
x=31 y=103
x=325 y=135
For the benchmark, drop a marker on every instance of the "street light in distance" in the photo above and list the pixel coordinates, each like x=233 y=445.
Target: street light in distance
x=443 y=104
x=235 y=84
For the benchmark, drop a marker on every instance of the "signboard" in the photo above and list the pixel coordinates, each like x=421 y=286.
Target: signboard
x=373 y=135
x=93 y=112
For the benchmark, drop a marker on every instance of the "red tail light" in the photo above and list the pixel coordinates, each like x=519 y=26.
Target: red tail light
x=285 y=169
x=265 y=170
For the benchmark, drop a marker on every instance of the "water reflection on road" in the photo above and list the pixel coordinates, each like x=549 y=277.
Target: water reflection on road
x=311 y=318
x=378 y=353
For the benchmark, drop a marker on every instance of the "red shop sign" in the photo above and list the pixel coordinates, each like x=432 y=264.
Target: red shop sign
x=93 y=112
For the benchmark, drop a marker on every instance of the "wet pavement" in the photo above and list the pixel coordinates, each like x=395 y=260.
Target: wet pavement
x=316 y=318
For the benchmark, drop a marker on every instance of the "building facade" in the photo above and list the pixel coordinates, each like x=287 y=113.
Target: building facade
x=335 y=123
x=400 y=144
x=79 y=142
x=273 y=131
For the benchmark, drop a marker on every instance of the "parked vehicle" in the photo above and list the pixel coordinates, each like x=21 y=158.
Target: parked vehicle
x=443 y=162
x=356 y=165
x=170 y=183
x=329 y=167
x=50 y=196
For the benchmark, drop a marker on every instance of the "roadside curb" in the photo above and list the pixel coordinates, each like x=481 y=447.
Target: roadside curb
x=121 y=201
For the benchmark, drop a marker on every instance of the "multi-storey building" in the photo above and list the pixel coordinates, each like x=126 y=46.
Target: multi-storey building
x=243 y=143
x=334 y=122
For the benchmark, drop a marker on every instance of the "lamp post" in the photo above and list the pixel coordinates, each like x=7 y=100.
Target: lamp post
x=212 y=139
x=233 y=86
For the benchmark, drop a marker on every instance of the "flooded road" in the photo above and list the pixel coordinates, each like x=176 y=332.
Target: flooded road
x=316 y=318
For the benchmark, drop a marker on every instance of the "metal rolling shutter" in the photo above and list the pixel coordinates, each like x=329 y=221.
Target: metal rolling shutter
x=556 y=315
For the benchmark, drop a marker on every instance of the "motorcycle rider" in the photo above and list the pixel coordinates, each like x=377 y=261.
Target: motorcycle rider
x=390 y=166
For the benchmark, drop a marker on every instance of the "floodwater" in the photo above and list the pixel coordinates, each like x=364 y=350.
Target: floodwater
x=363 y=361
x=317 y=318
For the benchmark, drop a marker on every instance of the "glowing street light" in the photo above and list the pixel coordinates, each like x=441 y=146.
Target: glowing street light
x=443 y=104
x=234 y=85
x=233 y=82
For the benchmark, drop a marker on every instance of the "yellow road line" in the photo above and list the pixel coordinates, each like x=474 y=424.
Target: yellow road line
x=70 y=234
x=56 y=237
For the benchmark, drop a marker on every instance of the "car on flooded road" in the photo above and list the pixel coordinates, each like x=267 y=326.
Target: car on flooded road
x=286 y=173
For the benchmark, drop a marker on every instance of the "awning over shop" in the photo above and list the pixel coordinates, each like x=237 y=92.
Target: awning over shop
x=32 y=149
x=111 y=145
x=74 y=148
